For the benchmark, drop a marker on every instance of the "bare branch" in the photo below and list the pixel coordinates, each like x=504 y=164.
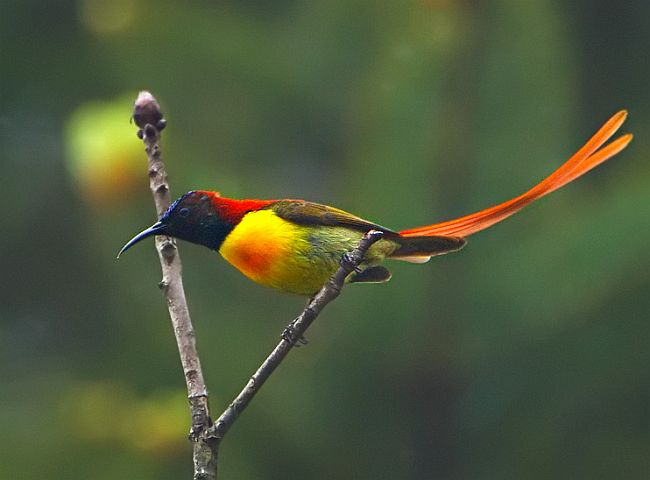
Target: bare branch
x=148 y=117
x=205 y=436
x=292 y=334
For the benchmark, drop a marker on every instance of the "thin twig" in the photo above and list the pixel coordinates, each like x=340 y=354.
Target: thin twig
x=293 y=333
x=148 y=117
x=205 y=436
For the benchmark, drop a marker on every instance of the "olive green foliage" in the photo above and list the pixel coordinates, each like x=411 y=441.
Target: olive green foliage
x=523 y=356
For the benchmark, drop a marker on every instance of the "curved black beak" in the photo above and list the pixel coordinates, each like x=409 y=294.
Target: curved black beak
x=157 y=228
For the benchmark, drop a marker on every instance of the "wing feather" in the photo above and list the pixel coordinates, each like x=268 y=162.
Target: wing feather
x=302 y=212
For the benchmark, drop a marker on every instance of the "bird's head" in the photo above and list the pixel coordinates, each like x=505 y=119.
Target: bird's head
x=194 y=217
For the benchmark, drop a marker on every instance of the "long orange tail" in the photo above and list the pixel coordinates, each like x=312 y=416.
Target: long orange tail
x=580 y=163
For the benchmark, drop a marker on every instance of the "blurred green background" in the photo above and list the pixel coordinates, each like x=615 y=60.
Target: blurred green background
x=524 y=356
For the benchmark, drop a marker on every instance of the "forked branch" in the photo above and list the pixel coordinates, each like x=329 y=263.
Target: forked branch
x=293 y=333
x=205 y=436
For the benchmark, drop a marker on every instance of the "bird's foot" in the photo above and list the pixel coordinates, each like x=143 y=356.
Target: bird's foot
x=290 y=335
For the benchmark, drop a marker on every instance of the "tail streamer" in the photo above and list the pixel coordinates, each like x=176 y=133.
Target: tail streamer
x=588 y=157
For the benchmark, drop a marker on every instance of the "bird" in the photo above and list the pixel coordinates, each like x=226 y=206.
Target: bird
x=295 y=245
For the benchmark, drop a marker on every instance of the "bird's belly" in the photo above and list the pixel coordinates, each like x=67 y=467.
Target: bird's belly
x=293 y=258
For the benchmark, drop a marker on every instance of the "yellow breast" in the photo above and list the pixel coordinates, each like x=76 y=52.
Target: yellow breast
x=293 y=258
x=266 y=248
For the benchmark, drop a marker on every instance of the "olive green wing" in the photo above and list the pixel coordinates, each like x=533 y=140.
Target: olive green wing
x=308 y=213
x=416 y=249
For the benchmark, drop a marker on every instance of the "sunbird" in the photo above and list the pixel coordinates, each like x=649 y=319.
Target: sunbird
x=296 y=245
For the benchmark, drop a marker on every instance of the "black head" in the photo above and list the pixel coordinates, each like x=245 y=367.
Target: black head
x=193 y=218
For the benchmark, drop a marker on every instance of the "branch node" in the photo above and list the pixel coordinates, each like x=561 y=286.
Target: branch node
x=196 y=432
x=146 y=110
x=333 y=286
x=202 y=394
x=150 y=132
x=168 y=249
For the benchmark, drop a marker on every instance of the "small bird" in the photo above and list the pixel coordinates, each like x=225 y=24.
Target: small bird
x=296 y=245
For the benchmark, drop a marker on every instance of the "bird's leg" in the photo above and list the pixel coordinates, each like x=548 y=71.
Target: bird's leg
x=289 y=333
x=347 y=258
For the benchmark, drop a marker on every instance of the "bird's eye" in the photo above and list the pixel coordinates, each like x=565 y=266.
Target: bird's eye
x=184 y=212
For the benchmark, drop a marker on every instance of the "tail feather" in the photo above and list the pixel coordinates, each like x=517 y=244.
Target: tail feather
x=588 y=157
x=421 y=248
